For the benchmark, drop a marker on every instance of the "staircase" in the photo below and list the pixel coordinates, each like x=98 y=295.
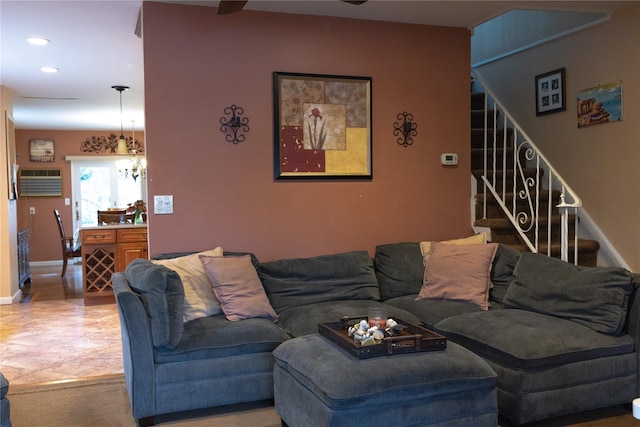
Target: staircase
x=519 y=197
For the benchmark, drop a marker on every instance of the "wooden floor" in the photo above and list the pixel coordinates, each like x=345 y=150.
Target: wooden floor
x=52 y=336
x=47 y=285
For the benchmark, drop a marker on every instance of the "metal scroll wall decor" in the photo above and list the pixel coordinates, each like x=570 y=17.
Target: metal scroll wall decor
x=405 y=130
x=103 y=144
x=233 y=126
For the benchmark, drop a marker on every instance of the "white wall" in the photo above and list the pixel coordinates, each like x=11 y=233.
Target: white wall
x=9 y=288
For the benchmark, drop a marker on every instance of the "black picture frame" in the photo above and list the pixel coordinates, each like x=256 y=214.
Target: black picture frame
x=322 y=126
x=550 y=92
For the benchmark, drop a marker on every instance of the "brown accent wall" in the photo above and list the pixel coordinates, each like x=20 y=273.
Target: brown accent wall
x=197 y=63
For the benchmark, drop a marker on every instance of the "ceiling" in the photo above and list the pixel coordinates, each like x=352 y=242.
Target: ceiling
x=93 y=43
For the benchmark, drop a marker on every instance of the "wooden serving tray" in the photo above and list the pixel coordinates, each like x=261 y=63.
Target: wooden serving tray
x=412 y=339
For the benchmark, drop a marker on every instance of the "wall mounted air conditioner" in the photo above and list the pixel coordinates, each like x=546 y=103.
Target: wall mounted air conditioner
x=40 y=182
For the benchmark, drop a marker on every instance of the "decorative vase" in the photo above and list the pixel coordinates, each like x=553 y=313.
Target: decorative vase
x=138 y=219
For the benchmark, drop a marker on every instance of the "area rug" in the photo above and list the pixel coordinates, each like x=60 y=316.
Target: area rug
x=103 y=401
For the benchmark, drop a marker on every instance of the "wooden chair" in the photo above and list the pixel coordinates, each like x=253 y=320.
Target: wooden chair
x=69 y=248
x=112 y=216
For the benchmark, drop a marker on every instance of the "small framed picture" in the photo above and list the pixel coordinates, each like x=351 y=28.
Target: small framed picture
x=550 y=92
x=41 y=150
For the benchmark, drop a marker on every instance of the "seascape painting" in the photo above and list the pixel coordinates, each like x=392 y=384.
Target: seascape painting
x=601 y=104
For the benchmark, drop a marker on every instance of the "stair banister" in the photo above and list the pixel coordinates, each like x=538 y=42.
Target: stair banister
x=521 y=141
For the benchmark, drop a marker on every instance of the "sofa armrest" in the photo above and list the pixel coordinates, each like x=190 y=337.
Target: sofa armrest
x=137 y=348
x=633 y=324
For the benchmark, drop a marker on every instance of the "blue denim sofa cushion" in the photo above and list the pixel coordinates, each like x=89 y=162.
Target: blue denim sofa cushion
x=301 y=281
x=596 y=297
x=528 y=340
x=215 y=337
x=304 y=319
x=399 y=269
x=163 y=296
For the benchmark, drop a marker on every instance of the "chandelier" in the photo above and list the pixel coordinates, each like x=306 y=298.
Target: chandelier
x=133 y=167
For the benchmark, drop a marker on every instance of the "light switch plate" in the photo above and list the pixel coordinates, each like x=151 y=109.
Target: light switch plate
x=163 y=205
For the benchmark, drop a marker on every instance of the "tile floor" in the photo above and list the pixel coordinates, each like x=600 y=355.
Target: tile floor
x=53 y=336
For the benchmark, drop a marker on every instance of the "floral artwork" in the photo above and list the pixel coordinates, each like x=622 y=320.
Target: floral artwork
x=601 y=104
x=325 y=127
x=322 y=126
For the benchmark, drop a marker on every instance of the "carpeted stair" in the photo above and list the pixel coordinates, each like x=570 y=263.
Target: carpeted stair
x=502 y=231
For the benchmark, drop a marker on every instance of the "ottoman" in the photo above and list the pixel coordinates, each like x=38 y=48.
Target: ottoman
x=319 y=384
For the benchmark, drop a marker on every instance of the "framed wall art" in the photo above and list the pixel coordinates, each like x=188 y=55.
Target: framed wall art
x=600 y=104
x=322 y=126
x=550 y=92
x=41 y=150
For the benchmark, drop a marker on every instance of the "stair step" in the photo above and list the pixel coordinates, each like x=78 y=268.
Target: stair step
x=505 y=223
x=477 y=118
x=501 y=156
x=477 y=101
x=542 y=194
x=477 y=137
x=528 y=172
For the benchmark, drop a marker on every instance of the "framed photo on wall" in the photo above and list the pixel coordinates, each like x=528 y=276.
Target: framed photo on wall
x=41 y=150
x=550 y=92
x=322 y=126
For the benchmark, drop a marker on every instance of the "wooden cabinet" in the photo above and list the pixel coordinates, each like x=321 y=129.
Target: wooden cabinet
x=106 y=250
x=132 y=244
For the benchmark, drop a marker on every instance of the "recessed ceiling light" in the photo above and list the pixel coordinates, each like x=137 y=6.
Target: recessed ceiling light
x=37 y=41
x=49 y=69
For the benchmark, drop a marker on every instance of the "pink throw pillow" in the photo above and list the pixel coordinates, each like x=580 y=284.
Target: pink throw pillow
x=237 y=286
x=459 y=272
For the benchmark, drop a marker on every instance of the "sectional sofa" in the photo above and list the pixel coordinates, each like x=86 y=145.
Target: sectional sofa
x=198 y=329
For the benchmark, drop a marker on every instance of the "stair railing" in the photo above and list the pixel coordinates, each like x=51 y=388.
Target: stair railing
x=524 y=187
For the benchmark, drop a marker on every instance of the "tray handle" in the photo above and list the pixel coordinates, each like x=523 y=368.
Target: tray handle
x=394 y=343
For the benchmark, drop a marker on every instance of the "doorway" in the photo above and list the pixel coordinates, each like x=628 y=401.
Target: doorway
x=97 y=185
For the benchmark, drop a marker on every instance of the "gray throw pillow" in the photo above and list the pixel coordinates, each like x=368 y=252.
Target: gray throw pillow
x=596 y=297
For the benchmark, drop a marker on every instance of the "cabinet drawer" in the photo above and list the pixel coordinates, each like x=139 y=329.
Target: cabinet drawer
x=92 y=237
x=132 y=235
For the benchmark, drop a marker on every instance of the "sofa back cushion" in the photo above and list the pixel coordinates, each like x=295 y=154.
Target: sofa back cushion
x=502 y=271
x=597 y=297
x=162 y=294
x=399 y=269
x=300 y=281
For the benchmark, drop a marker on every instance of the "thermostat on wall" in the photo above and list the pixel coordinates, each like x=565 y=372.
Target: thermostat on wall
x=449 y=159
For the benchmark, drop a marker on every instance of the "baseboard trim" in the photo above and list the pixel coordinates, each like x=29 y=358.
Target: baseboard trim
x=50 y=263
x=15 y=299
